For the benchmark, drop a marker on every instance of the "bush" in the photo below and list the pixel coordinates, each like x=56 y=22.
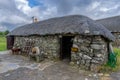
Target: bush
x=108 y=68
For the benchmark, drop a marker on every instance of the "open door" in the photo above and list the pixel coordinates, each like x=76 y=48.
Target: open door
x=65 y=46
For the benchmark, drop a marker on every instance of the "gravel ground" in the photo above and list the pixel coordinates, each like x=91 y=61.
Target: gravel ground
x=16 y=67
x=116 y=75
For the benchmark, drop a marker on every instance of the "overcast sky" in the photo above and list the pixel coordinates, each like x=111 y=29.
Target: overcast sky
x=14 y=13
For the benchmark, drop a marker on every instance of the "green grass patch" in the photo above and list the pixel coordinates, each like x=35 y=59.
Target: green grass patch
x=117 y=52
x=2 y=43
x=107 y=68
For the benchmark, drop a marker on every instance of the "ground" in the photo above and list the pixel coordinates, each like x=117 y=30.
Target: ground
x=17 y=67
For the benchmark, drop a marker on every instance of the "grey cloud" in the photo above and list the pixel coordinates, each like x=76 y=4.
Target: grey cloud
x=66 y=6
x=112 y=8
x=94 y=9
x=10 y=15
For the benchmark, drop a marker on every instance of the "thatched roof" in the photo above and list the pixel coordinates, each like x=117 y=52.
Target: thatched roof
x=74 y=24
x=112 y=23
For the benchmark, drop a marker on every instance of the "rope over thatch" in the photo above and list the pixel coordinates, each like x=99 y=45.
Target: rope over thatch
x=112 y=23
x=74 y=24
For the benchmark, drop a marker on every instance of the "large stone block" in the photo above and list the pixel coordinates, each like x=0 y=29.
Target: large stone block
x=97 y=46
x=75 y=45
x=82 y=62
x=80 y=54
x=86 y=57
x=99 y=55
x=95 y=61
x=87 y=41
x=83 y=48
x=80 y=40
x=87 y=64
x=75 y=39
x=99 y=59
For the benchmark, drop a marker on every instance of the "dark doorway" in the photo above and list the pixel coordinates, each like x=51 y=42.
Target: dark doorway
x=10 y=42
x=66 y=44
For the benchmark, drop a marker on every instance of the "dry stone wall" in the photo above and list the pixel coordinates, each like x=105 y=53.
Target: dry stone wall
x=116 y=43
x=48 y=45
x=92 y=52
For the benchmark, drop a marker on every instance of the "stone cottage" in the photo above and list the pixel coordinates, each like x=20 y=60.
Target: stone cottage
x=112 y=24
x=76 y=38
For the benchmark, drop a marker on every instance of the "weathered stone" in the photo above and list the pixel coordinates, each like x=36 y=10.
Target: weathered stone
x=96 y=46
x=45 y=54
x=99 y=55
x=78 y=62
x=88 y=61
x=91 y=50
x=80 y=54
x=87 y=41
x=94 y=61
x=87 y=53
x=116 y=43
x=76 y=46
x=87 y=64
x=91 y=54
x=96 y=51
x=102 y=51
x=99 y=59
x=75 y=39
x=82 y=62
x=86 y=57
x=80 y=40
x=83 y=48
x=49 y=46
x=74 y=55
x=85 y=44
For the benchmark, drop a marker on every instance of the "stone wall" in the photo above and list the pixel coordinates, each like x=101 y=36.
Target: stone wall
x=48 y=45
x=92 y=52
x=116 y=43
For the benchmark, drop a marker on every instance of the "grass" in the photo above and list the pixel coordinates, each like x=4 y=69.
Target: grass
x=107 y=68
x=2 y=43
x=117 y=52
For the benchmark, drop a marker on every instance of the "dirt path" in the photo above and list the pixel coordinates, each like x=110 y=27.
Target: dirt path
x=16 y=67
